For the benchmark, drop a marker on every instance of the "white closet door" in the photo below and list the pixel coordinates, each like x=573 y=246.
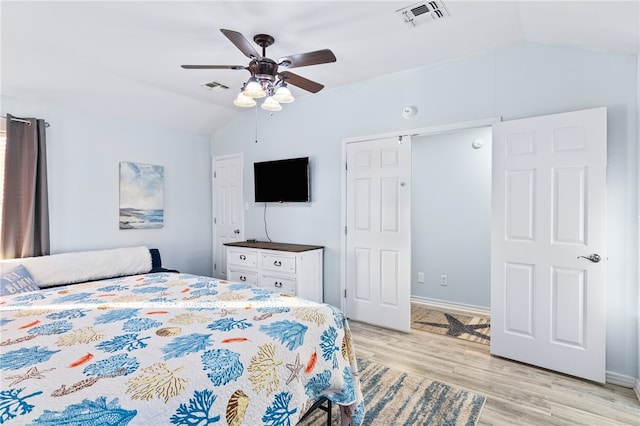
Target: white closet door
x=378 y=240
x=548 y=300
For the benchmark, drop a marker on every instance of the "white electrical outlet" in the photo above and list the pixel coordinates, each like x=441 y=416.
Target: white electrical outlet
x=443 y=280
x=421 y=277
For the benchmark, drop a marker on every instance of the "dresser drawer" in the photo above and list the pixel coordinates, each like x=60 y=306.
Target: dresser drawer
x=279 y=263
x=279 y=284
x=243 y=277
x=244 y=258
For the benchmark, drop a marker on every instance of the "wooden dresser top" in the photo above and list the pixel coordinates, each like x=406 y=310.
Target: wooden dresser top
x=265 y=245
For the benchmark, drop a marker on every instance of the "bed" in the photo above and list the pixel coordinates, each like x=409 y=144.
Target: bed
x=165 y=347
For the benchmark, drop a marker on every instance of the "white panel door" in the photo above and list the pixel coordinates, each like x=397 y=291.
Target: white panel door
x=548 y=299
x=378 y=240
x=228 y=211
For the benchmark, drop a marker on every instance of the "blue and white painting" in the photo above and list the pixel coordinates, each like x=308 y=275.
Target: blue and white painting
x=141 y=196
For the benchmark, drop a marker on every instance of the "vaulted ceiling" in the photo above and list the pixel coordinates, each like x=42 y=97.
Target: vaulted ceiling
x=122 y=58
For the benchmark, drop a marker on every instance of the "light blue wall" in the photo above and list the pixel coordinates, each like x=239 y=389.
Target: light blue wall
x=451 y=217
x=84 y=152
x=521 y=81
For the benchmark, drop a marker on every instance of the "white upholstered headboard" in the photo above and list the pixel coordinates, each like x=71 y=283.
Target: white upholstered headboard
x=69 y=268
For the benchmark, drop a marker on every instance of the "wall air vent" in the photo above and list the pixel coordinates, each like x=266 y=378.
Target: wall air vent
x=420 y=13
x=215 y=86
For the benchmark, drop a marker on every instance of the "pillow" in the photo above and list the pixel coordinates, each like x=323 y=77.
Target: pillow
x=17 y=280
x=77 y=267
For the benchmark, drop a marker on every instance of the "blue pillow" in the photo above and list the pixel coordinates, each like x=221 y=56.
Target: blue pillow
x=17 y=280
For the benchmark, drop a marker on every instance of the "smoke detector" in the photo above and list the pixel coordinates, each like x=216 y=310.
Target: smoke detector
x=422 y=12
x=409 y=111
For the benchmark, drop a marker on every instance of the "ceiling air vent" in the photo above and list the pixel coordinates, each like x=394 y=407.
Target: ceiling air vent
x=215 y=86
x=419 y=13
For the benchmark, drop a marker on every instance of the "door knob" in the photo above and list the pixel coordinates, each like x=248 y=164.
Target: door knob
x=595 y=258
x=236 y=231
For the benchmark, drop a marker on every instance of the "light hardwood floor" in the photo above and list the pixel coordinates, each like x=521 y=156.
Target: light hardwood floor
x=517 y=394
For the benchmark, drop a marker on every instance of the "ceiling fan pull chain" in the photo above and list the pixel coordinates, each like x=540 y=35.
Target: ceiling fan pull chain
x=256 y=108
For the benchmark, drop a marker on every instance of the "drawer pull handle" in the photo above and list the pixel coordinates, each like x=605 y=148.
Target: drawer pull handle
x=277 y=263
x=243 y=278
x=243 y=257
x=278 y=284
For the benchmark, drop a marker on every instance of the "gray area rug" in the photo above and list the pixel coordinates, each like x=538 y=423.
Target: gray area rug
x=396 y=398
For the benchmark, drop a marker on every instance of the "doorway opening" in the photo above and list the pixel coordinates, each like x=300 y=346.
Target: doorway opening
x=358 y=260
x=451 y=220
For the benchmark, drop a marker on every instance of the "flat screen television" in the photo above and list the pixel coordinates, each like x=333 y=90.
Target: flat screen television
x=282 y=181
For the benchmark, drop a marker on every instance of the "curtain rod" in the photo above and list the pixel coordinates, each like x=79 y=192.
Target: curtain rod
x=24 y=121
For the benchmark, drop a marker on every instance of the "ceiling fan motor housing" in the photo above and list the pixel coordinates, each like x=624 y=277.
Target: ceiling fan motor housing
x=264 y=68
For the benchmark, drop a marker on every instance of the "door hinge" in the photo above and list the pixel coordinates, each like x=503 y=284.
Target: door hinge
x=345 y=293
x=215 y=175
x=215 y=221
x=346 y=167
x=345 y=230
x=215 y=266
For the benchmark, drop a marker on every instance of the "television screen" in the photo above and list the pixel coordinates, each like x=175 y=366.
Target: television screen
x=282 y=180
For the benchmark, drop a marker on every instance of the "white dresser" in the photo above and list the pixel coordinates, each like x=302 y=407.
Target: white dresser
x=295 y=269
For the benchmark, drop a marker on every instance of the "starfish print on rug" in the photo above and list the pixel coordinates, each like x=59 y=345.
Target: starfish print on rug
x=456 y=328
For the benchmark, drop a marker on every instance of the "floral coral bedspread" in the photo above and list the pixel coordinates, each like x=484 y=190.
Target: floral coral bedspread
x=162 y=349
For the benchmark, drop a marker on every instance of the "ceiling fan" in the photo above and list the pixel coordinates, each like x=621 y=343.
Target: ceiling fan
x=266 y=78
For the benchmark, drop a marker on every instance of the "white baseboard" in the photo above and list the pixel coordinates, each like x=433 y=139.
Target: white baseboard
x=637 y=389
x=459 y=307
x=622 y=380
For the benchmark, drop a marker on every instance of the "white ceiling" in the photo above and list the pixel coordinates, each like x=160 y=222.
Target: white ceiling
x=123 y=58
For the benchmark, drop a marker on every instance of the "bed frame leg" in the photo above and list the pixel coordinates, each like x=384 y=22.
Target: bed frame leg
x=319 y=404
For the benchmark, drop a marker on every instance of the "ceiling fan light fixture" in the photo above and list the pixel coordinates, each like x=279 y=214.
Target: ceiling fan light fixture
x=283 y=95
x=244 y=101
x=271 y=104
x=254 y=89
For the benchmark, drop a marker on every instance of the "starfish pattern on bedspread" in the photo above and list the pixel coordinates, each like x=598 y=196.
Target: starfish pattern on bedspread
x=295 y=369
x=31 y=373
x=455 y=328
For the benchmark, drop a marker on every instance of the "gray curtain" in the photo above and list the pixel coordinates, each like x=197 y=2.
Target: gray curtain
x=25 y=212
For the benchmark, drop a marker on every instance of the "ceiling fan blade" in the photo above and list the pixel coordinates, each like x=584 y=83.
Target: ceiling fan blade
x=301 y=82
x=214 y=67
x=241 y=43
x=309 y=58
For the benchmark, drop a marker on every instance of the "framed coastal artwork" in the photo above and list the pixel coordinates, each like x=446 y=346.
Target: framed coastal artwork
x=141 y=196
